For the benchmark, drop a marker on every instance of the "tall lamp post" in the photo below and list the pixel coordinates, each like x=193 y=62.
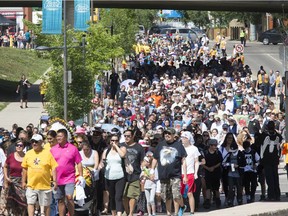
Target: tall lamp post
x=65 y=74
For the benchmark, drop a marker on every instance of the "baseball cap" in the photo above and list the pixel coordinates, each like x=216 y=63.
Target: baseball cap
x=37 y=137
x=225 y=126
x=212 y=142
x=170 y=130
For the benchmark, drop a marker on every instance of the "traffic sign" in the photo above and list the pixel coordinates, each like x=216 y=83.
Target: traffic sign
x=239 y=48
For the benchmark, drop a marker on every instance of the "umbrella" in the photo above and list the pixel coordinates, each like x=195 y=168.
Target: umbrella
x=109 y=127
x=126 y=82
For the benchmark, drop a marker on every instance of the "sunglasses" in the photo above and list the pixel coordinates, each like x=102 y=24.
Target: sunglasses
x=34 y=141
x=19 y=145
x=114 y=140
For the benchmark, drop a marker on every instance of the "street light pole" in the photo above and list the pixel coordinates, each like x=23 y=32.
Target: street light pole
x=65 y=75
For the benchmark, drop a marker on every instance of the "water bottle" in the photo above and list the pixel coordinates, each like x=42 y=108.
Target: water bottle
x=186 y=191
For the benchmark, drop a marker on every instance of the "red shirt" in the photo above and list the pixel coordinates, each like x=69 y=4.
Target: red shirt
x=15 y=168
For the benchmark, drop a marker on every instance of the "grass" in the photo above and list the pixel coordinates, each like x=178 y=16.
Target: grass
x=14 y=63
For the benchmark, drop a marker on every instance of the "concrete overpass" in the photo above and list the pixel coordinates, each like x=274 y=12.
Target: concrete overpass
x=217 y=5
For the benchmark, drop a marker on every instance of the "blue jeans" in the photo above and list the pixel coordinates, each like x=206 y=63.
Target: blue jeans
x=271 y=91
x=53 y=206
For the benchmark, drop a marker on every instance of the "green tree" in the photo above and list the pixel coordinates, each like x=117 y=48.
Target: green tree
x=199 y=18
x=124 y=24
x=221 y=18
x=100 y=49
x=146 y=17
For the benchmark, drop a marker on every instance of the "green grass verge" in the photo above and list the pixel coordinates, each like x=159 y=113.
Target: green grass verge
x=14 y=63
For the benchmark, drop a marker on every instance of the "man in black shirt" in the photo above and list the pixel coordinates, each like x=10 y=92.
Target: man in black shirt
x=22 y=88
x=114 y=78
x=135 y=155
x=170 y=156
x=269 y=155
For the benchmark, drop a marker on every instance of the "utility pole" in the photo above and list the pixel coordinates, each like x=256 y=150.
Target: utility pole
x=65 y=75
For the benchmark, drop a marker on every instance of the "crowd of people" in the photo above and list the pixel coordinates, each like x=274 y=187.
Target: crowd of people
x=187 y=119
x=20 y=40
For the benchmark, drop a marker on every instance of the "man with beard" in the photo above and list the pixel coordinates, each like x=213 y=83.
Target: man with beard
x=170 y=155
x=270 y=154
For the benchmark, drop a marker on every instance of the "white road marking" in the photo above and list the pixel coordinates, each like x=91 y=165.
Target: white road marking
x=265 y=54
x=274 y=58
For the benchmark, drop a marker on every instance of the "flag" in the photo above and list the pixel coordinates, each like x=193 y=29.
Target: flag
x=52 y=17
x=81 y=14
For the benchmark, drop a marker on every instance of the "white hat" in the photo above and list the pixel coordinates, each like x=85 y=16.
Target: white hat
x=211 y=114
x=37 y=137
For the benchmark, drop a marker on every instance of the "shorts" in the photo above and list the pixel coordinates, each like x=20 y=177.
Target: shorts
x=212 y=182
x=24 y=95
x=43 y=196
x=64 y=190
x=158 y=187
x=171 y=189
x=190 y=182
x=132 y=190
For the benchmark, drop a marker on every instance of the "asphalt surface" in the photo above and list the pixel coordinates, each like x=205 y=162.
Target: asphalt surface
x=256 y=55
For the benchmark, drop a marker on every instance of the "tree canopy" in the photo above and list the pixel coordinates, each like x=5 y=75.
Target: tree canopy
x=100 y=48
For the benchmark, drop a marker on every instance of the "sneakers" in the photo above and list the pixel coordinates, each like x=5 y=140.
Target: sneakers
x=182 y=210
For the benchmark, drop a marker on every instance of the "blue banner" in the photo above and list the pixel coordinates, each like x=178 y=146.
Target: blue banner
x=81 y=14
x=52 y=17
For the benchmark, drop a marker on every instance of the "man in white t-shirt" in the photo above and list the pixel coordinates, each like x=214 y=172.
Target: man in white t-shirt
x=192 y=168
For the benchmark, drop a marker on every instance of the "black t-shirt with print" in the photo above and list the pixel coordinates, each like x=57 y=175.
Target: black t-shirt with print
x=135 y=154
x=169 y=157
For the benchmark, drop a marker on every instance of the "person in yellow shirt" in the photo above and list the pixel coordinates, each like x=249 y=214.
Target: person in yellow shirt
x=223 y=46
x=36 y=176
x=43 y=89
x=218 y=41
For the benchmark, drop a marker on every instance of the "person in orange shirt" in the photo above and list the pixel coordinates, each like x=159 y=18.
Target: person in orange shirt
x=157 y=98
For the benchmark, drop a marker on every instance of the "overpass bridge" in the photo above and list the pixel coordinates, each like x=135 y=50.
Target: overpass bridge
x=276 y=6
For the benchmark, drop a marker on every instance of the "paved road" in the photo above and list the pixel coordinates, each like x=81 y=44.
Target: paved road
x=257 y=54
x=256 y=208
x=14 y=114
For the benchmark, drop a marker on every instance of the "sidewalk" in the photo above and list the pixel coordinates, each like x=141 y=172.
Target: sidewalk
x=14 y=114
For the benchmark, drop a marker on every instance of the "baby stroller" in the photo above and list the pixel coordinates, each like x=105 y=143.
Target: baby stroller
x=90 y=205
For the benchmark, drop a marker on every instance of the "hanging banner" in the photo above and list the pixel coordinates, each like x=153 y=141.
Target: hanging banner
x=52 y=17
x=81 y=14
